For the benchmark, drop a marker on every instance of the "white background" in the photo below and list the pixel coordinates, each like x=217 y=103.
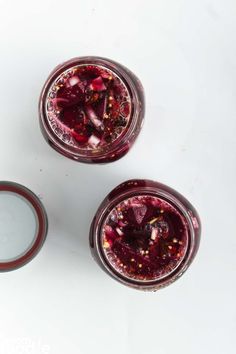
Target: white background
x=184 y=52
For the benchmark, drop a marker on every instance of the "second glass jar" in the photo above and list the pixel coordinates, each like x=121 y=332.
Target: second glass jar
x=145 y=234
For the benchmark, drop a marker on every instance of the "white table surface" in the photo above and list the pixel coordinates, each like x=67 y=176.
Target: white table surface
x=185 y=54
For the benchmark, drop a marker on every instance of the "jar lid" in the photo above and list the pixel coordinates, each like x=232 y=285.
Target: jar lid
x=23 y=225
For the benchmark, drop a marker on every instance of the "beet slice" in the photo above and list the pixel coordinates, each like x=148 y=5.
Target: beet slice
x=80 y=138
x=97 y=85
x=73 y=95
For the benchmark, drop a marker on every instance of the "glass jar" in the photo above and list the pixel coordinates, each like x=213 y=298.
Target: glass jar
x=23 y=225
x=145 y=234
x=91 y=109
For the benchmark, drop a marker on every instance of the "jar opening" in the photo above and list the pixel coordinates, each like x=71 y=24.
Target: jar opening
x=144 y=238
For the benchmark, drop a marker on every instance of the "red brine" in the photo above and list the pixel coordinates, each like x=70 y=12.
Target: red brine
x=91 y=109
x=145 y=234
x=144 y=237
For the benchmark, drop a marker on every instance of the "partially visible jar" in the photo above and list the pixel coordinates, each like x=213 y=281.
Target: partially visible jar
x=145 y=234
x=91 y=109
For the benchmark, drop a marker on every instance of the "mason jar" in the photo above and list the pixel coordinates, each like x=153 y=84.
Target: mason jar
x=91 y=109
x=145 y=234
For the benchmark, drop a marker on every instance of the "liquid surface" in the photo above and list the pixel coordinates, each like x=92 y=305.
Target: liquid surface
x=18 y=226
x=88 y=107
x=144 y=238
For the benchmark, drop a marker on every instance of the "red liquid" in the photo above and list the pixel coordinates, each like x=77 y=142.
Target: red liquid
x=144 y=238
x=88 y=107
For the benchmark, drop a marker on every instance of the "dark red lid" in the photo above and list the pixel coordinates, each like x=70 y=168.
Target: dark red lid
x=23 y=225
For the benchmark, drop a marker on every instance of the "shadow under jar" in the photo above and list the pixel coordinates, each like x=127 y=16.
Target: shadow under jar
x=91 y=109
x=145 y=234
